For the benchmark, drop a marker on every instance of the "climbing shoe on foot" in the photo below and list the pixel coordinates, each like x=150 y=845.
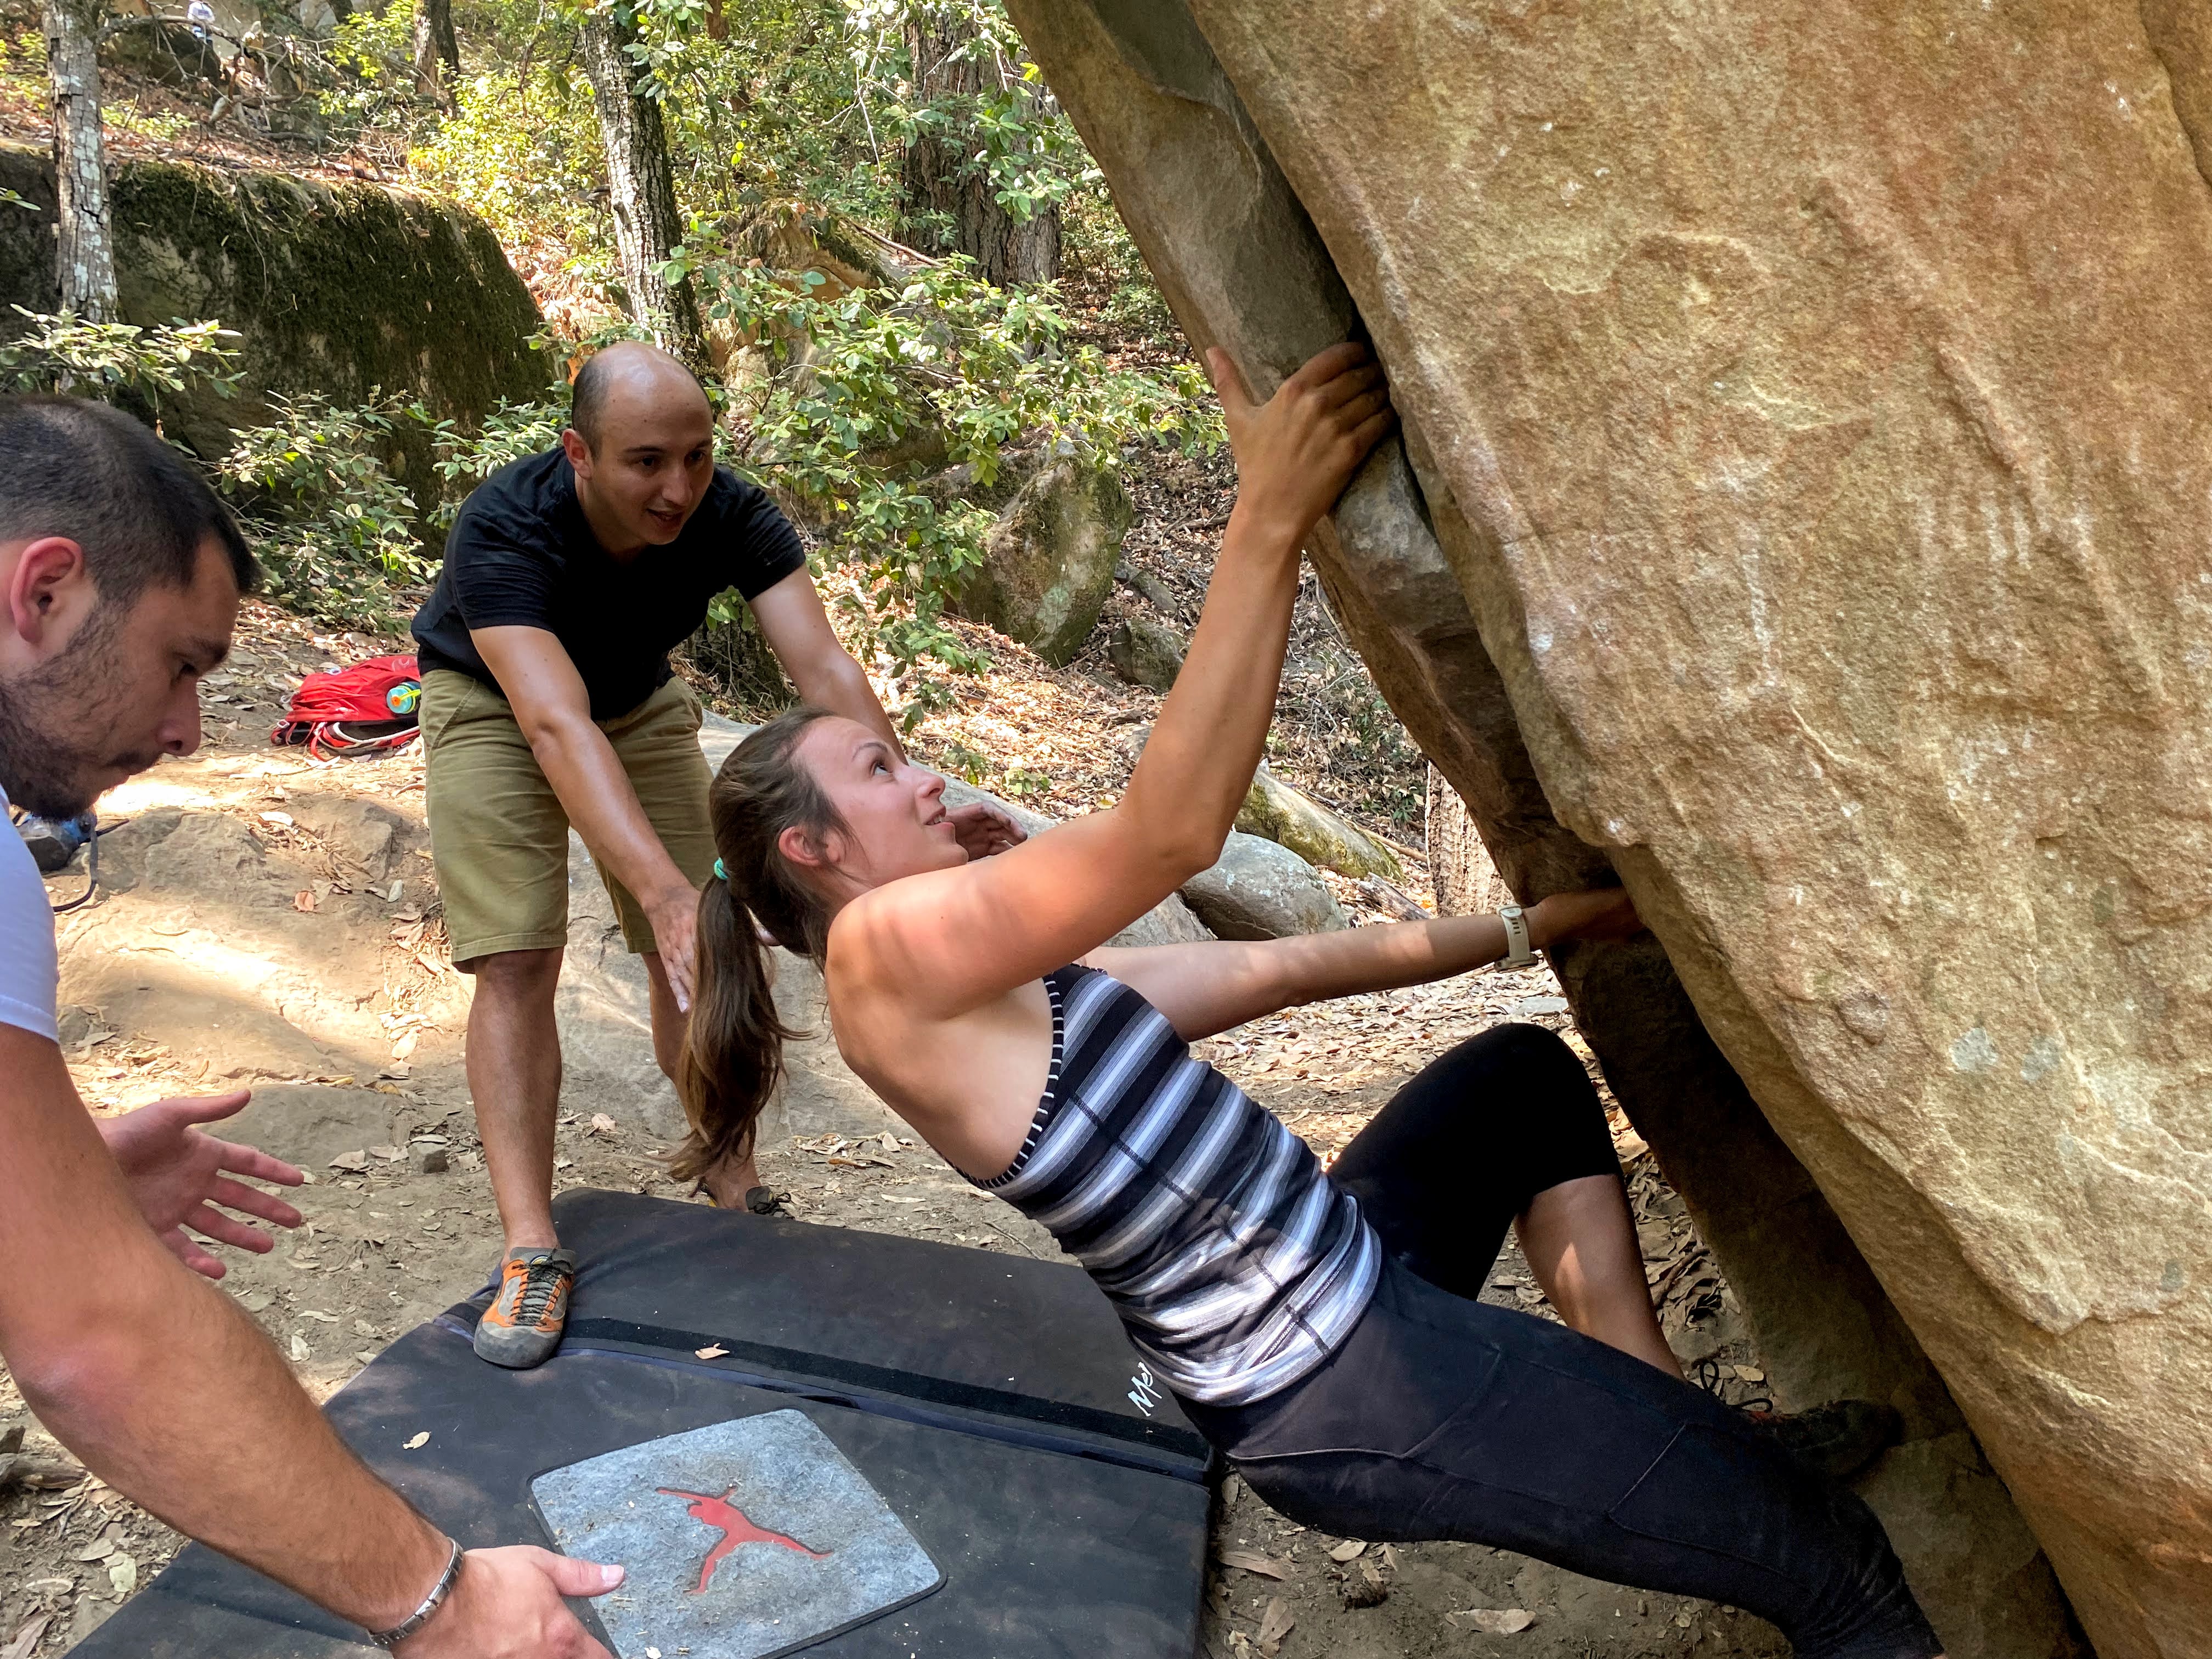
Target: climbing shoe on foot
x=523 y=1325
x=1838 y=1439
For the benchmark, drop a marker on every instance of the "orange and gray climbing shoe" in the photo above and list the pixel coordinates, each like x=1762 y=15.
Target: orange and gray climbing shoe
x=522 y=1327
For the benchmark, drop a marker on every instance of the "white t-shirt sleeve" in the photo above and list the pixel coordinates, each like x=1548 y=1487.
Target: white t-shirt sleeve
x=30 y=973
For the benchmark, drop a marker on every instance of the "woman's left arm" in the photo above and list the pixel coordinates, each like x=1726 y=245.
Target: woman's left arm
x=1210 y=987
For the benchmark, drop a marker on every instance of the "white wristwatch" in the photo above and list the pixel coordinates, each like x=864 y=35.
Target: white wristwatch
x=1518 y=951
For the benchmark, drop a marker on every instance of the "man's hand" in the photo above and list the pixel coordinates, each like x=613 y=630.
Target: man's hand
x=178 y=1174
x=506 y=1605
x=675 y=919
x=983 y=830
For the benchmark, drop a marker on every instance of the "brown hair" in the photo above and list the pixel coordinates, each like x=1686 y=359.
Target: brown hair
x=733 y=1053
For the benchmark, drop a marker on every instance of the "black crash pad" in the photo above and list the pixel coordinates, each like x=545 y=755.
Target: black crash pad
x=992 y=1400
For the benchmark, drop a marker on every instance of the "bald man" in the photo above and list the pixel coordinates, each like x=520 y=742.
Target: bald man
x=547 y=701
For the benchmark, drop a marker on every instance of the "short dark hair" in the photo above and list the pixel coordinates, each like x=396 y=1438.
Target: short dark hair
x=137 y=506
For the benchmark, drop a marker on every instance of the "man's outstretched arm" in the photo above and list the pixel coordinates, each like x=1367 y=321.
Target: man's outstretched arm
x=797 y=628
x=168 y=1393
x=553 y=709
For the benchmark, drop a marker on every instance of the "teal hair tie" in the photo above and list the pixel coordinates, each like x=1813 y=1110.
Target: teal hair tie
x=720 y=874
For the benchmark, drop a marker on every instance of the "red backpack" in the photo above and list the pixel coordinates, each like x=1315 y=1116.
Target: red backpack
x=364 y=709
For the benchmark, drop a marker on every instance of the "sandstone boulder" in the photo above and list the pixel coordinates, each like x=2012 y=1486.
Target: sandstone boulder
x=1144 y=653
x=1281 y=812
x=1730 y=392
x=1258 y=890
x=1049 y=562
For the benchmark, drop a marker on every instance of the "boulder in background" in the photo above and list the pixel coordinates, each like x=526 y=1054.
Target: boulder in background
x=1283 y=813
x=1261 y=890
x=1048 y=562
x=1145 y=654
x=339 y=289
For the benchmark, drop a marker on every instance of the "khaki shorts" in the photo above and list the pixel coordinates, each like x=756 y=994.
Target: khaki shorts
x=499 y=837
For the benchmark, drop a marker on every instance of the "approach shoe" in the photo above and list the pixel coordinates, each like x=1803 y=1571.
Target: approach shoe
x=1836 y=1440
x=523 y=1326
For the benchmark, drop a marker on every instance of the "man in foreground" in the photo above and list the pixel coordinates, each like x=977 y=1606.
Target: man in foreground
x=548 y=700
x=120 y=575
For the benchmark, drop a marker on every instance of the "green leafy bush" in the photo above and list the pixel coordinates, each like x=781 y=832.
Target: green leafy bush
x=63 y=352
x=336 y=529
x=835 y=398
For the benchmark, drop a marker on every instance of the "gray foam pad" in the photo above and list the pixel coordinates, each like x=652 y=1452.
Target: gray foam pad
x=743 y=1539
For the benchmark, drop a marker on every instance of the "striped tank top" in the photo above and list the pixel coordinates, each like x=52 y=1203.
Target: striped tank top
x=1236 y=1266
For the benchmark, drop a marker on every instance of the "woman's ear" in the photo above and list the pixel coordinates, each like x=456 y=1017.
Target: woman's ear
x=800 y=849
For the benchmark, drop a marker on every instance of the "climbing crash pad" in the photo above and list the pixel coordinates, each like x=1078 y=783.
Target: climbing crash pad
x=746 y=1539
x=989 y=1405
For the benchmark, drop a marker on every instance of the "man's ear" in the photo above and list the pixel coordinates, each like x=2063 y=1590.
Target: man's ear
x=49 y=591
x=578 y=452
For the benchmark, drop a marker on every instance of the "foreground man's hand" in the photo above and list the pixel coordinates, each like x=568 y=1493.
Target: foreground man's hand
x=178 y=1174
x=506 y=1605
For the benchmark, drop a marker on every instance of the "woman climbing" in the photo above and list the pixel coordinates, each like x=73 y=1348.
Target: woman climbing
x=1321 y=1329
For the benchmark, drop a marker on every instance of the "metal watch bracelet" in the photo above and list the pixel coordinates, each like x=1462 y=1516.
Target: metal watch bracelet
x=436 y=1599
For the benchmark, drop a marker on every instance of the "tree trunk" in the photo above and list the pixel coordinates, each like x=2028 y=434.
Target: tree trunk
x=941 y=183
x=642 y=186
x=1466 y=882
x=436 y=45
x=85 y=247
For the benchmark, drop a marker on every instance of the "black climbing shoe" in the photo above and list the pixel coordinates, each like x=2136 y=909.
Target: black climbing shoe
x=1836 y=1440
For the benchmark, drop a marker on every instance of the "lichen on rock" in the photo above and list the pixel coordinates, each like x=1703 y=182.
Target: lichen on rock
x=336 y=289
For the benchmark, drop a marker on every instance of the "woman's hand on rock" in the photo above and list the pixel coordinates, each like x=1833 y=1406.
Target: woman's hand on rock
x=1296 y=452
x=1606 y=913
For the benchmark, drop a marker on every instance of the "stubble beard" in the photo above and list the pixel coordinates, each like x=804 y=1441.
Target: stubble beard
x=53 y=719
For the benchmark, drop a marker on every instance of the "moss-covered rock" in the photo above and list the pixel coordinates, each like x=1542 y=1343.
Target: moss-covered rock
x=1048 y=562
x=335 y=288
x=1278 y=813
x=1145 y=654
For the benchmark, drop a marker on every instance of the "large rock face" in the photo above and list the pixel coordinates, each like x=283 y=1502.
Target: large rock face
x=1810 y=415
x=336 y=289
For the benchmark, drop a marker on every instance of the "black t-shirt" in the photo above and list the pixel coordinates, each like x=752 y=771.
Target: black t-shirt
x=522 y=555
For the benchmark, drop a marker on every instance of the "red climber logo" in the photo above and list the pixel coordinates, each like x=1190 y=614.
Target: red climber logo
x=735 y=1527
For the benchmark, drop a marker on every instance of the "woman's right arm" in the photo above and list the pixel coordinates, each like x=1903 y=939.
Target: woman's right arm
x=1213 y=986
x=949 y=941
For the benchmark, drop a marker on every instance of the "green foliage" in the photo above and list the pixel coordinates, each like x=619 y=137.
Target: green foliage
x=369 y=80
x=522 y=148
x=335 y=528
x=63 y=352
x=1022 y=146
x=510 y=432
x=840 y=388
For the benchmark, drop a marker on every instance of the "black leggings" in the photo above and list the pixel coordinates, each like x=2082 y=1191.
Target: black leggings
x=1442 y=1418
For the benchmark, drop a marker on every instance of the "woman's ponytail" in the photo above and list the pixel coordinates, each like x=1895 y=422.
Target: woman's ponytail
x=733 y=1053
